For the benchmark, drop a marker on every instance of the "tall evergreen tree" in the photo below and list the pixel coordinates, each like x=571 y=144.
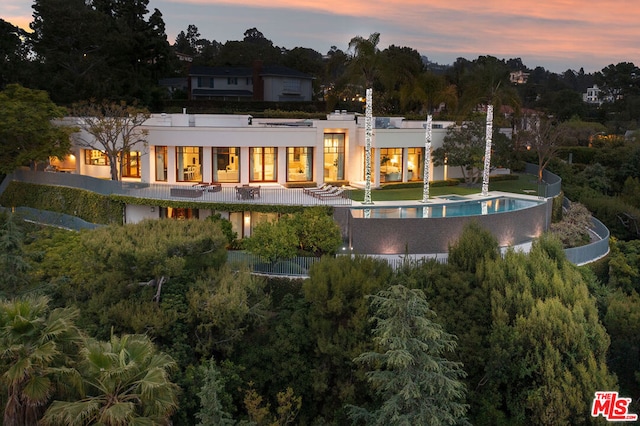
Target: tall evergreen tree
x=414 y=381
x=100 y=49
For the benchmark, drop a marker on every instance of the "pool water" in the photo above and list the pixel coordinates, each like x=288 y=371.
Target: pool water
x=455 y=209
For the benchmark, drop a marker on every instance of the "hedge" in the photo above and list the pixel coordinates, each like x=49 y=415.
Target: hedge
x=87 y=205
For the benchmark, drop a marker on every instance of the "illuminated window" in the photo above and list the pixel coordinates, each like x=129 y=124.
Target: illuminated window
x=226 y=164
x=299 y=164
x=188 y=164
x=334 y=156
x=131 y=164
x=390 y=164
x=263 y=164
x=95 y=157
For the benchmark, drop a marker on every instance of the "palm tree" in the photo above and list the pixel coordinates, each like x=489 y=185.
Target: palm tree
x=126 y=382
x=364 y=60
x=429 y=91
x=36 y=347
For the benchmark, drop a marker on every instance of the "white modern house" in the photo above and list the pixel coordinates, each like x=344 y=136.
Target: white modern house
x=183 y=149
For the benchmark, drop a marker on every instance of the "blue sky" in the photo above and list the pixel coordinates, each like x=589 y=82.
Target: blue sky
x=555 y=34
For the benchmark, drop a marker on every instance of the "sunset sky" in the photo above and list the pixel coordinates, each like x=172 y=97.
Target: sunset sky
x=555 y=34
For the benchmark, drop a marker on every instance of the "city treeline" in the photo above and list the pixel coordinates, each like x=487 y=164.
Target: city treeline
x=118 y=50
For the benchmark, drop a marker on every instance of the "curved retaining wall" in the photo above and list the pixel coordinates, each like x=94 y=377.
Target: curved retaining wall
x=435 y=235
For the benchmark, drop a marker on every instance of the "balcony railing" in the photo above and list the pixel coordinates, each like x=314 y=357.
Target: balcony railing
x=261 y=194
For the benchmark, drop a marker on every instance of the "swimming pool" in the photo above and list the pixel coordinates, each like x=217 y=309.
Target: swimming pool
x=455 y=209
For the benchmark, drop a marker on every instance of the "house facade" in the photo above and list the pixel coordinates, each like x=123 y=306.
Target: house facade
x=258 y=83
x=183 y=149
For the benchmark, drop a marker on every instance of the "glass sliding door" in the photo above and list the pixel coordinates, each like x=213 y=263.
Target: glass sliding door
x=226 y=164
x=188 y=164
x=299 y=164
x=263 y=164
x=334 y=156
x=161 y=163
x=390 y=164
x=415 y=164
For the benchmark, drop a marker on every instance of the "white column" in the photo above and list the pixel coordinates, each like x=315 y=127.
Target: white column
x=487 y=152
x=427 y=159
x=368 y=133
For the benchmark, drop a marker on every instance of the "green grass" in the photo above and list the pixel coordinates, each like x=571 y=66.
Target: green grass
x=525 y=184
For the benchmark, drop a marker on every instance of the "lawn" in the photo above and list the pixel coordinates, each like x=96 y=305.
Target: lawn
x=525 y=184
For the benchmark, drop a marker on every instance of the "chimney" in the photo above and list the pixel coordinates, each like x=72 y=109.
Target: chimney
x=258 y=83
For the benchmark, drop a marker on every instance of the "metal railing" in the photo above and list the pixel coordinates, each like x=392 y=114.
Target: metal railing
x=294 y=267
x=268 y=194
x=59 y=220
x=551 y=185
x=593 y=251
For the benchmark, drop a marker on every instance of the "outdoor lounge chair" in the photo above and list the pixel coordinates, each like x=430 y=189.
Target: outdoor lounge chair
x=331 y=190
x=325 y=187
x=339 y=192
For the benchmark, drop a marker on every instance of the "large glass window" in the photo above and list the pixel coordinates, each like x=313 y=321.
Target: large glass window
x=415 y=163
x=188 y=164
x=260 y=217
x=131 y=164
x=95 y=157
x=263 y=164
x=334 y=156
x=226 y=164
x=299 y=164
x=236 y=219
x=161 y=163
x=178 y=213
x=390 y=164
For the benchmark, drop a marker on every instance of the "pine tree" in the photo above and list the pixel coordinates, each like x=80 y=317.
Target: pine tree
x=416 y=384
x=211 y=412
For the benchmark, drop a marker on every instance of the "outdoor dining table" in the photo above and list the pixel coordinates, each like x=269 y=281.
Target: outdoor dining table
x=246 y=192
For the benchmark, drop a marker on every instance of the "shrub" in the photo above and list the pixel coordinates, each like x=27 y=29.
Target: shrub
x=573 y=229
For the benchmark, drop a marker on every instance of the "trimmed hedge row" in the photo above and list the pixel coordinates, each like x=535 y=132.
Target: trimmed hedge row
x=87 y=205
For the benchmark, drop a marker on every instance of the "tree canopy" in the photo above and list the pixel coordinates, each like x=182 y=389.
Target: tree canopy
x=113 y=128
x=28 y=132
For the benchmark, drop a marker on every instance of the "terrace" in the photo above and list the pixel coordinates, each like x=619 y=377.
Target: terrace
x=274 y=194
x=271 y=194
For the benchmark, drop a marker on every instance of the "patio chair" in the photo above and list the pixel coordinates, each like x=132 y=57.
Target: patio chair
x=329 y=191
x=339 y=192
x=213 y=187
x=325 y=187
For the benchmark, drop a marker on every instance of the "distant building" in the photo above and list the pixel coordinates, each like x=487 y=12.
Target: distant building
x=184 y=57
x=258 y=83
x=592 y=96
x=518 y=77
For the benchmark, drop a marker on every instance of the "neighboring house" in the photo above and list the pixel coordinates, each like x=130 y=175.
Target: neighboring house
x=595 y=95
x=592 y=96
x=518 y=77
x=174 y=84
x=259 y=83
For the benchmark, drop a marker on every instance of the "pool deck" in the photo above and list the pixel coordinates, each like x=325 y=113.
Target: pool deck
x=417 y=235
x=443 y=199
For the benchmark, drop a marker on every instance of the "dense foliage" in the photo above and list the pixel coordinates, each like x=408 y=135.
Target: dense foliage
x=28 y=134
x=521 y=333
